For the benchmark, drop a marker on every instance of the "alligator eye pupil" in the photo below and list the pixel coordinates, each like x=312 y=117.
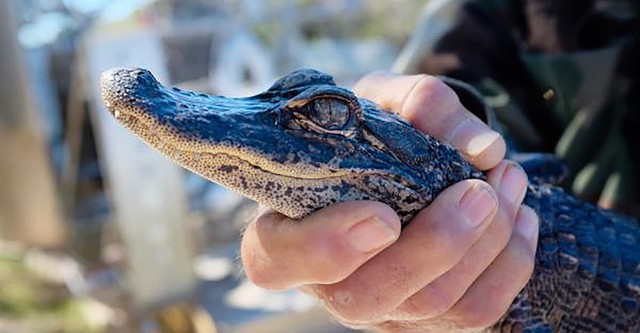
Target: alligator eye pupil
x=329 y=113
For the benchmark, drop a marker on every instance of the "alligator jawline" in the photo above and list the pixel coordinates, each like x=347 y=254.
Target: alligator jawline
x=168 y=148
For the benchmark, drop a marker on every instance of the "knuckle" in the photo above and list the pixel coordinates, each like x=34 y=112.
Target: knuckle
x=435 y=92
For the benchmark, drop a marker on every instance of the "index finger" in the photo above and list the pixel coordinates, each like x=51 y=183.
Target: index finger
x=434 y=108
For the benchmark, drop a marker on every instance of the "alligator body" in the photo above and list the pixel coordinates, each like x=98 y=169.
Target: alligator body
x=306 y=143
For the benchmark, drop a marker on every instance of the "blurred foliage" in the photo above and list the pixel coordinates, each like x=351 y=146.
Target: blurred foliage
x=390 y=20
x=36 y=305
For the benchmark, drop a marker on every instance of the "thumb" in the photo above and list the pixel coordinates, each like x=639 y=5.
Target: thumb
x=325 y=247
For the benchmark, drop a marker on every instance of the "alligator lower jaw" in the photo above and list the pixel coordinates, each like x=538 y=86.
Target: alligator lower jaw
x=293 y=196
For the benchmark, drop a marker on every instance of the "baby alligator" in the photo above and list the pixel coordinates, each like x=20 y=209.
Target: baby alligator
x=305 y=143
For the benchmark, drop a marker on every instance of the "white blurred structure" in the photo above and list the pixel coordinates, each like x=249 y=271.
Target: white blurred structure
x=146 y=189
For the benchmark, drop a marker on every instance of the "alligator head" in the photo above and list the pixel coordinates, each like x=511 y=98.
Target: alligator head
x=299 y=146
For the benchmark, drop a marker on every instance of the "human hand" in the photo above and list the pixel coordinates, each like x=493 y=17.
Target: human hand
x=457 y=266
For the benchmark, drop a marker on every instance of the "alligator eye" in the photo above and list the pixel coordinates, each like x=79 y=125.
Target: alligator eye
x=330 y=113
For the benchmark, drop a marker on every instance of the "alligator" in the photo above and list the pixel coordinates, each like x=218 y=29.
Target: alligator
x=306 y=143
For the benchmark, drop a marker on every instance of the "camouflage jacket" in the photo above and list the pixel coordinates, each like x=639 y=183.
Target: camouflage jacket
x=562 y=76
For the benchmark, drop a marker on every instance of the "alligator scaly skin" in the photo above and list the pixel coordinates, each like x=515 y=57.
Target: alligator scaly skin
x=587 y=269
x=305 y=143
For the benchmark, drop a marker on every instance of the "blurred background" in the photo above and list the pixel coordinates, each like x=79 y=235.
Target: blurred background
x=100 y=234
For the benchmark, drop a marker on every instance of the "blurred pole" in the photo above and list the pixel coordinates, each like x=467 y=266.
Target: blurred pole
x=145 y=188
x=29 y=209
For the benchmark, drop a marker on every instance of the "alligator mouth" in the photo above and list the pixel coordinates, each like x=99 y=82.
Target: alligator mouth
x=237 y=171
x=177 y=149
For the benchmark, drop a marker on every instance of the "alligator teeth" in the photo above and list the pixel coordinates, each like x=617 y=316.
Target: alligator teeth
x=116 y=114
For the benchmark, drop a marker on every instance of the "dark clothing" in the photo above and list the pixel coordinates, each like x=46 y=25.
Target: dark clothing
x=563 y=77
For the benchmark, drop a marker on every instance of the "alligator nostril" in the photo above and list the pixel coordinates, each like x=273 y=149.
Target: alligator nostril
x=139 y=71
x=144 y=82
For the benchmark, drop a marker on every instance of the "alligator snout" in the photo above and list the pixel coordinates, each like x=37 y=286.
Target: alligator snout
x=123 y=86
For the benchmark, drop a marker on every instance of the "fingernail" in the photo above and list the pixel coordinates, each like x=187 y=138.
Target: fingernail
x=473 y=137
x=477 y=204
x=371 y=234
x=512 y=184
x=481 y=142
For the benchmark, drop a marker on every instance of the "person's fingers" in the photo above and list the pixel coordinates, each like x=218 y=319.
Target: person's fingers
x=434 y=108
x=438 y=297
x=492 y=294
x=434 y=241
x=510 y=181
x=494 y=291
x=325 y=247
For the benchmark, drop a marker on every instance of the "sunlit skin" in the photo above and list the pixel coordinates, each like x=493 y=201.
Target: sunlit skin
x=469 y=268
